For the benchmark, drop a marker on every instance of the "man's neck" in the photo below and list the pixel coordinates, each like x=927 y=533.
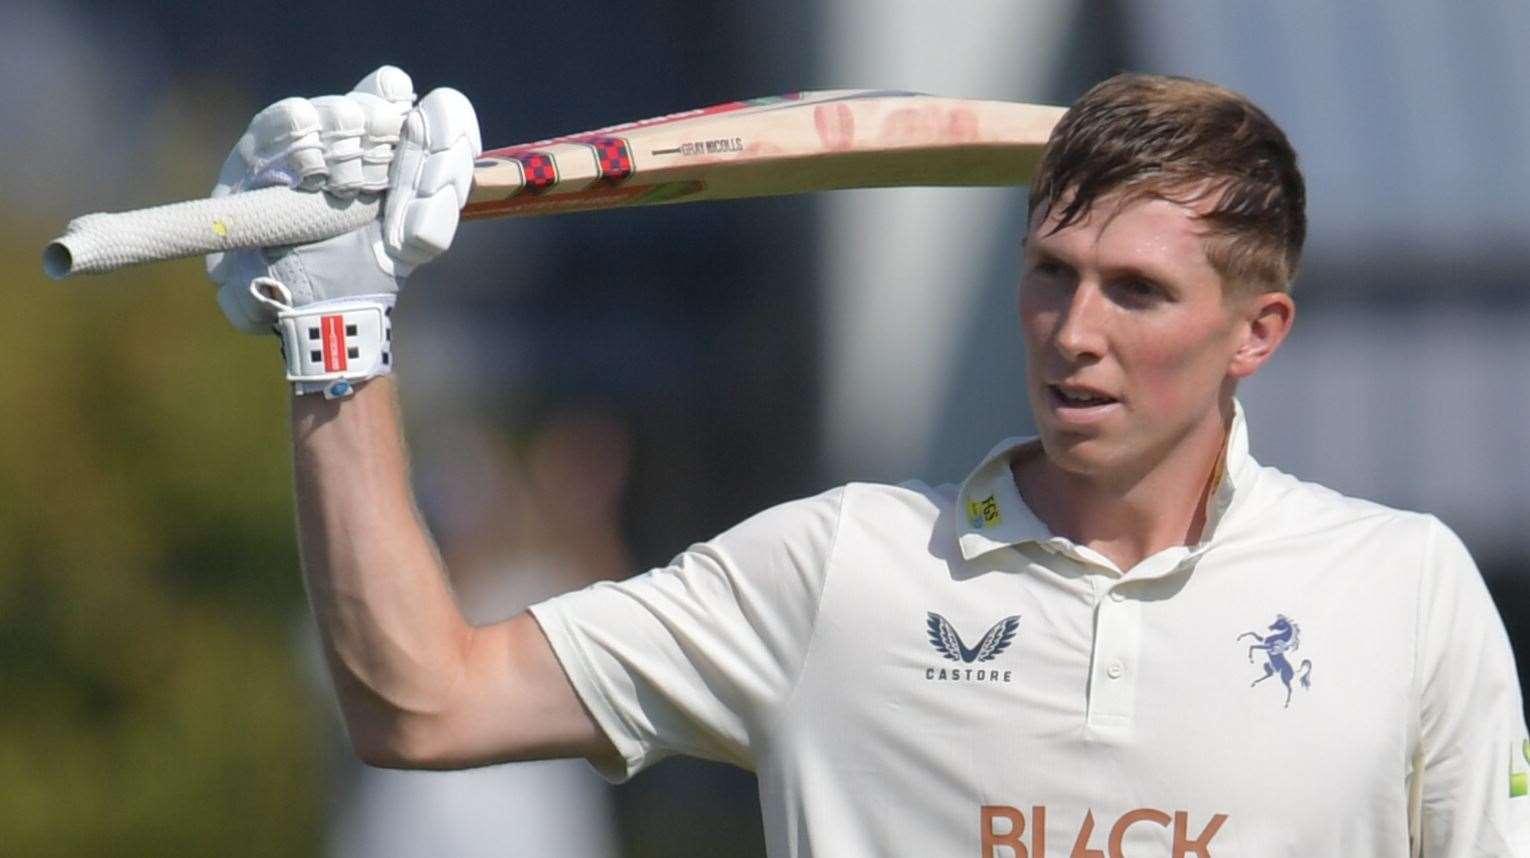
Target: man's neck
x=1129 y=517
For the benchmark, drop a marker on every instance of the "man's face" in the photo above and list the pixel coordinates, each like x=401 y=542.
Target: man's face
x=1130 y=339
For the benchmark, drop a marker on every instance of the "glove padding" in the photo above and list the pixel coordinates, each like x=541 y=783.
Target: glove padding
x=370 y=141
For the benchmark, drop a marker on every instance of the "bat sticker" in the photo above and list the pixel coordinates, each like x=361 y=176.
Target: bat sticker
x=723 y=146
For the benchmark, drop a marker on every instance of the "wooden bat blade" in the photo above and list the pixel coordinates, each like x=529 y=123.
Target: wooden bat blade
x=808 y=141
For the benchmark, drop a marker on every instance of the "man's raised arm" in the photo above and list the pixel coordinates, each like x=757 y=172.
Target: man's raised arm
x=419 y=686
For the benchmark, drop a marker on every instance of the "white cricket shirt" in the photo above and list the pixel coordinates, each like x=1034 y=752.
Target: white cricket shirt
x=931 y=672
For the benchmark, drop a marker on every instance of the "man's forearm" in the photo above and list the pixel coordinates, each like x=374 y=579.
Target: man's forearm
x=392 y=633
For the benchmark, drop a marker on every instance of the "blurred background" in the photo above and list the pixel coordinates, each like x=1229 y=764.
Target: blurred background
x=652 y=376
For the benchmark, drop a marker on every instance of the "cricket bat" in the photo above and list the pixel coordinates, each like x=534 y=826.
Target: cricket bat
x=788 y=144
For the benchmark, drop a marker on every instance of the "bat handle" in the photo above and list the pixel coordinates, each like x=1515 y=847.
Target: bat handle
x=269 y=217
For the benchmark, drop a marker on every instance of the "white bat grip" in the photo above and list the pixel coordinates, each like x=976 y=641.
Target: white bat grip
x=269 y=217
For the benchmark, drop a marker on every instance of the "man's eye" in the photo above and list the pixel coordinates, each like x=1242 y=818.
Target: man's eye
x=1140 y=290
x=1048 y=267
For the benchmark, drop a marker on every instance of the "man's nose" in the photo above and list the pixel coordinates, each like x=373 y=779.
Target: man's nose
x=1080 y=330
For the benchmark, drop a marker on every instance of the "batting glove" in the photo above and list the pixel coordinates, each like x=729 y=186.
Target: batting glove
x=331 y=301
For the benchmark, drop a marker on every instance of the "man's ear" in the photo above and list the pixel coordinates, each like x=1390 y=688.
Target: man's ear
x=1263 y=322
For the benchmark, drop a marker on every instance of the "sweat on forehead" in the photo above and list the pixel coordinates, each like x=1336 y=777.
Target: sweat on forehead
x=1183 y=140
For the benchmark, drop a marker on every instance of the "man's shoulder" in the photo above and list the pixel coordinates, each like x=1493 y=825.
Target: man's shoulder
x=1301 y=505
x=854 y=503
x=852 y=513
x=909 y=503
x=1317 y=546
x=915 y=494
x=856 y=498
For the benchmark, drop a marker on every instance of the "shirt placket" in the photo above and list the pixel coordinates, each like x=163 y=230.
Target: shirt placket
x=1117 y=643
x=1113 y=661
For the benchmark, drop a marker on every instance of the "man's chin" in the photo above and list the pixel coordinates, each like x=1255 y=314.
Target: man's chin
x=1079 y=454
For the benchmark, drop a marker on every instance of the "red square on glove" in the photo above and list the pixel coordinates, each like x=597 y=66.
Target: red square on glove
x=332 y=330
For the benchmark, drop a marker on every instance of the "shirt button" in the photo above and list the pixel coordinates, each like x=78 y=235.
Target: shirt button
x=1115 y=670
x=1116 y=596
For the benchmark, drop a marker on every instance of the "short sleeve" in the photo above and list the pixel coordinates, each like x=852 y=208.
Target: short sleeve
x=699 y=657
x=1472 y=754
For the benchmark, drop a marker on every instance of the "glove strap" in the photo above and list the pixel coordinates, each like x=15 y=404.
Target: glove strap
x=328 y=346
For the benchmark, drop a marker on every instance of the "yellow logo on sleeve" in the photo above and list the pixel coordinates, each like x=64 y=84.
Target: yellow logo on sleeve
x=1519 y=781
x=984 y=513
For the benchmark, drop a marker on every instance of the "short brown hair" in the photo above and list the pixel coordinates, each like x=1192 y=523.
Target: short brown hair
x=1183 y=139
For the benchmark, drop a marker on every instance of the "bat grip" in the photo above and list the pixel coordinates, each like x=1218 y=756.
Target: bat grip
x=269 y=217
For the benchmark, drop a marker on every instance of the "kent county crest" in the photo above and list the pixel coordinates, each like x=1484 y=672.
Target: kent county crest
x=1284 y=637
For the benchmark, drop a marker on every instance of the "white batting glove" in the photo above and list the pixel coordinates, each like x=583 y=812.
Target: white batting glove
x=331 y=300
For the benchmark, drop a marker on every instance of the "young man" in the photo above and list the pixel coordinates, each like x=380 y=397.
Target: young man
x=1122 y=638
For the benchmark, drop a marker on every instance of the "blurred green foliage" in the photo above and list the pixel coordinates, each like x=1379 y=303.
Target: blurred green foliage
x=151 y=701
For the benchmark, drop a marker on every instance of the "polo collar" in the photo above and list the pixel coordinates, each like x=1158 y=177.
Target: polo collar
x=991 y=514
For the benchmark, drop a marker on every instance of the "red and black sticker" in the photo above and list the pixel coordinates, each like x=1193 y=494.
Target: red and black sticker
x=541 y=173
x=612 y=157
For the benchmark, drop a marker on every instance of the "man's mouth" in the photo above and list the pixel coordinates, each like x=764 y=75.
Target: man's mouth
x=1073 y=396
